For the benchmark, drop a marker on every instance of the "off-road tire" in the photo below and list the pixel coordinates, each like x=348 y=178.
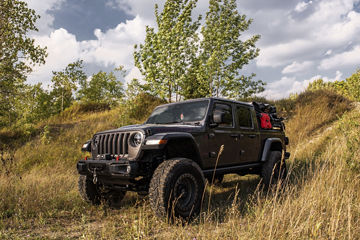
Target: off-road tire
x=88 y=190
x=273 y=169
x=176 y=189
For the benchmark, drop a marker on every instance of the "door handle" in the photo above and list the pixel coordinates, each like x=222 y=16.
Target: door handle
x=234 y=135
x=251 y=136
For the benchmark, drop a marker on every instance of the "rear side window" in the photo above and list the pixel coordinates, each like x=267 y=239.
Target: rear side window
x=243 y=115
x=228 y=118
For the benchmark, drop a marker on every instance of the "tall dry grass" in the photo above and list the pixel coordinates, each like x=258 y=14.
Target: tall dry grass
x=320 y=199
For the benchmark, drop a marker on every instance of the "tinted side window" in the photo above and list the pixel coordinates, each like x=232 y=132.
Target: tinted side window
x=243 y=115
x=228 y=118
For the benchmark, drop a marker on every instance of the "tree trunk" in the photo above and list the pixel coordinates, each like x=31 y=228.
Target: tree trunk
x=62 y=100
x=170 y=93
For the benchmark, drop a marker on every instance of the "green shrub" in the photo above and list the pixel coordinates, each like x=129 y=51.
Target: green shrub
x=142 y=105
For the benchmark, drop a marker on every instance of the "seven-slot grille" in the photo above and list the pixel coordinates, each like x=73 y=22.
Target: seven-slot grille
x=112 y=143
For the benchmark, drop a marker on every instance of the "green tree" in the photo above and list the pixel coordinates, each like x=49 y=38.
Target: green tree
x=166 y=56
x=134 y=88
x=103 y=88
x=65 y=84
x=317 y=85
x=34 y=105
x=18 y=53
x=223 y=53
x=175 y=59
x=353 y=85
x=349 y=87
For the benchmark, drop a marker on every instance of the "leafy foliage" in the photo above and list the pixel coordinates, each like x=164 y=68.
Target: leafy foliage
x=103 y=88
x=178 y=60
x=349 y=87
x=64 y=84
x=18 y=53
x=223 y=53
x=142 y=105
x=165 y=57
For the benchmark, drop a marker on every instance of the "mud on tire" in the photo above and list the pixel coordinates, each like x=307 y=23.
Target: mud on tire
x=273 y=169
x=176 y=189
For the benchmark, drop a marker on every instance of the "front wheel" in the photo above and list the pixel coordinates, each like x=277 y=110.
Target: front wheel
x=88 y=190
x=176 y=189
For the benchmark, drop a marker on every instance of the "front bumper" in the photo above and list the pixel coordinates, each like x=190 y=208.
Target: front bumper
x=111 y=171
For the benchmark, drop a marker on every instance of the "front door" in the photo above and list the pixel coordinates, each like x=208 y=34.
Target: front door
x=223 y=135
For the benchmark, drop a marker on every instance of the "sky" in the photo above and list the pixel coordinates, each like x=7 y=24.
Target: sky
x=301 y=41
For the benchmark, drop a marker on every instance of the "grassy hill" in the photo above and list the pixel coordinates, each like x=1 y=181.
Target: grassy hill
x=39 y=197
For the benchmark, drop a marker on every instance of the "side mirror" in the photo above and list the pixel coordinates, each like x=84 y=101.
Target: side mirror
x=218 y=117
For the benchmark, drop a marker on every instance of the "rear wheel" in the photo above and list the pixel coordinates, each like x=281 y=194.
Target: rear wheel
x=274 y=169
x=176 y=189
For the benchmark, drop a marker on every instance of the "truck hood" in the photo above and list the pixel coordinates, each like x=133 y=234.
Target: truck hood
x=151 y=129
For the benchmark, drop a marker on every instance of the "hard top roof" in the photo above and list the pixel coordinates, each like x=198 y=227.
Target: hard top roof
x=211 y=99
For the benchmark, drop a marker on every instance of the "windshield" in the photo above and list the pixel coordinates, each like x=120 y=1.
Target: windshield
x=179 y=113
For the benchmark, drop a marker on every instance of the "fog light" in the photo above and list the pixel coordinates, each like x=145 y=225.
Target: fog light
x=128 y=169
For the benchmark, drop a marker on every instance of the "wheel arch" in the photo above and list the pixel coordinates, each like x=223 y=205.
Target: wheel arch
x=178 y=145
x=271 y=144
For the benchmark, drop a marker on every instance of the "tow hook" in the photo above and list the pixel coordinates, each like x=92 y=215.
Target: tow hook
x=94 y=176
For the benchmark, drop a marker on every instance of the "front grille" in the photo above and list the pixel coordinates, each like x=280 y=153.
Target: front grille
x=111 y=144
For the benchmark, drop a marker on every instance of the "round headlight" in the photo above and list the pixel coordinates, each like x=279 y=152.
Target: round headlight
x=136 y=139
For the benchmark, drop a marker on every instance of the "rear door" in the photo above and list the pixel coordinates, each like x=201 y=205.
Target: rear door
x=248 y=141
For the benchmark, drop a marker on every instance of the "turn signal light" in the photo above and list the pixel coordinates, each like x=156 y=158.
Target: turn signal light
x=156 y=142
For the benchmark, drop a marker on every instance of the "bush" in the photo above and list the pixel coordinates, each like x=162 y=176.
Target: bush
x=315 y=110
x=142 y=105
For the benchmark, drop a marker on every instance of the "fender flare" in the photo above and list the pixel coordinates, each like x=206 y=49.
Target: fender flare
x=161 y=140
x=267 y=147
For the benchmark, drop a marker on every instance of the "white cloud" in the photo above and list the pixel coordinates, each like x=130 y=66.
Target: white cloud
x=296 y=67
x=289 y=85
x=349 y=58
x=113 y=47
x=62 y=49
x=46 y=20
x=302 y=6
x=138 y=7
x=331 y=25
x=328 y=52
x=133 y=73
x=278 y=89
